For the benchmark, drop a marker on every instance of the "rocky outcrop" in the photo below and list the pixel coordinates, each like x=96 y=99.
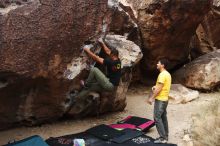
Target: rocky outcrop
x=40 y=56
x=207 y=34
x=166 y=28
x=202 y=73
x=180 y=94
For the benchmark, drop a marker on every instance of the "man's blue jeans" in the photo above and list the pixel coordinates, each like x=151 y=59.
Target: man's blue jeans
x=160 y=117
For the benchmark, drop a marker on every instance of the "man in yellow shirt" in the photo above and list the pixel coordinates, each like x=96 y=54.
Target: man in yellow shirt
x=160 y=93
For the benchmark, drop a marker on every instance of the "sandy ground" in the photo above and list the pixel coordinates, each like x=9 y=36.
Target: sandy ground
x=179 y=116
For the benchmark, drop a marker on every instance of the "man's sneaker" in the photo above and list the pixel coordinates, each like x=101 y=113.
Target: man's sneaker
x=72 y=97
x=160 y=140
x=70 y=100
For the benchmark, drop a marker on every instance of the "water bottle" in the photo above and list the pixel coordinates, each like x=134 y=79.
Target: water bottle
x=78 y=142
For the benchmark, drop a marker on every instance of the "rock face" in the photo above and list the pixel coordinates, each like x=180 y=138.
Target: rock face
x=207 y=34
x=40 y=56
x=31 y=28
x=166 y=28
x=202 y=73
x=180 y=94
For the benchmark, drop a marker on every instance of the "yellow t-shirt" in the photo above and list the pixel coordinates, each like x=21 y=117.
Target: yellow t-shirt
x=164 y=78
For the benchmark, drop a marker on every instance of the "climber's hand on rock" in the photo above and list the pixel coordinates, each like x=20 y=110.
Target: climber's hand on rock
x=101 y=40
x=86 y=49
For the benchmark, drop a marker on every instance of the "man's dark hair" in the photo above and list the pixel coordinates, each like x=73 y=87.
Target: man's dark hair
x=114 y=52
x=164 y=62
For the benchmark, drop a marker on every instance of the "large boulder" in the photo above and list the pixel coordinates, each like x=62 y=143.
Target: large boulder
x=202 y=73
x=40 y=56
x=38 y=39
x=207 y=34
x=180 y=94
x=166 y=28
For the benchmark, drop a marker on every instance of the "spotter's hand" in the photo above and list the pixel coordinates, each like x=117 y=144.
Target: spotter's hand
x=150 y=101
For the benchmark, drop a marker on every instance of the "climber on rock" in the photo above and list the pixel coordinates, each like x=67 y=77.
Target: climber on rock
x=97 y=81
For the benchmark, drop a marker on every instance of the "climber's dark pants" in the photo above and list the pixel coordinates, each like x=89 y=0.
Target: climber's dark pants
x=97 y=82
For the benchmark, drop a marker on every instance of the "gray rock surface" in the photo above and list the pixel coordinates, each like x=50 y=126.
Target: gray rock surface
x=180 y=94
x=202 y=73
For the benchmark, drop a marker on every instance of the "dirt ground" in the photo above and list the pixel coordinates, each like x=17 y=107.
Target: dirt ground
x=179 y=116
